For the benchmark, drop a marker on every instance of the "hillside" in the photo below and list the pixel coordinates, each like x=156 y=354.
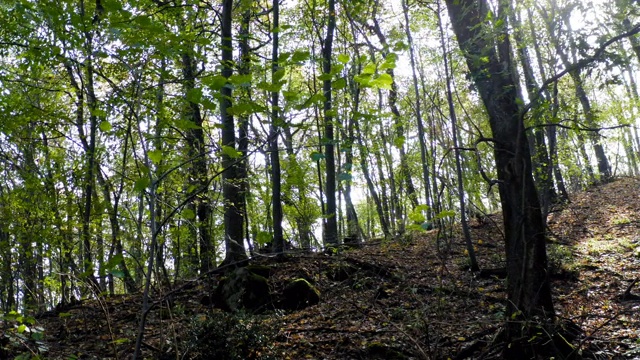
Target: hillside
x=396 y=300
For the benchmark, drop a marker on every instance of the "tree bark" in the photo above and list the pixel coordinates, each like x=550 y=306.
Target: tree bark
x=233 y=197
x=274 y=153
x=331 y=230
x=528 y=288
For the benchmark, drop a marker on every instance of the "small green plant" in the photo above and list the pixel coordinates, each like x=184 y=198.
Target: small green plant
x=620 y=220
x=561 y=259
x=226 y=336
x=22 y=337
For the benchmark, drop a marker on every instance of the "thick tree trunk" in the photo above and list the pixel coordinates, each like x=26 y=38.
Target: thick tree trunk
x=233 y=197
x=528 y=288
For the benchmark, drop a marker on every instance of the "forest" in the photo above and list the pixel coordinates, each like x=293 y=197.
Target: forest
x=279 y=159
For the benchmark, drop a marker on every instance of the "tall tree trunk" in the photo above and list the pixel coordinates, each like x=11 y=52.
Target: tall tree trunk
x=274 y=152
x=243 y=131
x=198 y=172
x=233 y=197
x=551 y=130
x=364 y=165
x=418 y=106
x=542 y=166
x=528 y=288
x=553 y=146
x=405 y=173
x=590 y=118
x=473 y=262
x=331 y=230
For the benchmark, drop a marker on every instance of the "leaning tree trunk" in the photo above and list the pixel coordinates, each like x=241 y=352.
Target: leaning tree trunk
x=528 y=288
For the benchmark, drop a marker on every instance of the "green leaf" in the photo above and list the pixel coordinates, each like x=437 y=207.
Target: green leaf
x=399 y=141
x=263 y=238
x=194 y=95
x=343 y=58
x=369 y=69
x=22 y=328
x=291 y=95
x=445 y=213
x=300 y=56
x=215 y=83
x=188 y=214
x=105 y=126
x=339 y=84
x=184 y=124
x=283 y=57
x=278 y=75
x=383 y=81
x=325 y=77
x=231 y=152
x=117 y=273
x=416 y=216
x=317 y=156
x=114 y=262
x=363 y=80
x=336 y=69
x=400 y=46
x=243 y=80
x=267 y=86
x=155 y=156
x=141 y=184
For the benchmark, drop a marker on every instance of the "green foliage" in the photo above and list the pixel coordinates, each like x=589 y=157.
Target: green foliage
x=226 y=336
x=22 y=332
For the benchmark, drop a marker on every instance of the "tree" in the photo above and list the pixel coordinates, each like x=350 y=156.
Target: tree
x=276 y=187
x=331 y=230
x=233 y=197
x=486 y=47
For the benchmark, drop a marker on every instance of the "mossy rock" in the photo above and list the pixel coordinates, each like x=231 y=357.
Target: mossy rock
x=242 y=289
x=299 y=294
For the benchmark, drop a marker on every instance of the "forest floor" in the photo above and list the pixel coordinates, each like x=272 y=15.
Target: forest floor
x=396 y=300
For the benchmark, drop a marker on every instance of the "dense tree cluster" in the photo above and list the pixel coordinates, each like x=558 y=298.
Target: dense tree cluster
x=148 y=141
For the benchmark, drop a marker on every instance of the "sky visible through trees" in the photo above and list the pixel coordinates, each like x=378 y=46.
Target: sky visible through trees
x=140 y=140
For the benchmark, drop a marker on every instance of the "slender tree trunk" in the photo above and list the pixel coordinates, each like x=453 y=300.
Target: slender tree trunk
x=473 y=262
x=274 y=152
x=405 y=173
x=553 y=147
x=418 y=106
x=243 y=131
x=331 y=230
x=364 y=164
x=198 y=172
x=590 y=119
x=542 y=165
